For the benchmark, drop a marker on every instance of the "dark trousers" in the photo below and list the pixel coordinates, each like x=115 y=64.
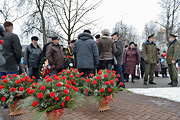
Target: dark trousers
x=118 y=69
x=133 y=76
x=33 y=72
x=86 y=72
x=105 y=64
x=142 y=74
x=164 y=72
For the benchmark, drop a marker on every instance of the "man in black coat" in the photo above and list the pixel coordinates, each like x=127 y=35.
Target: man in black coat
x=11 y=51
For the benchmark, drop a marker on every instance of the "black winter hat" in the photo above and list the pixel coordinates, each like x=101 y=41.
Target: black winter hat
x=55 y=38
x=34 y=38
x=115 y=33
x=87 y=31
x=97 y=36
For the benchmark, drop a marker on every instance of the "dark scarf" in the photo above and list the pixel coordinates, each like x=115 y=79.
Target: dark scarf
x=147 y=42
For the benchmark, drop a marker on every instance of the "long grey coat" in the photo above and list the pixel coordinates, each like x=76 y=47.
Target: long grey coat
x=11 y=51
x=86 y=51
x=119 y=53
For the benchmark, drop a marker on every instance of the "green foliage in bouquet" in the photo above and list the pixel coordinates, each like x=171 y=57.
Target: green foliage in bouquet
x=14 y=88
x=103 y=84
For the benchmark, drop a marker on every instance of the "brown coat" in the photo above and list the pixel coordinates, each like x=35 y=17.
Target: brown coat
x=131 y=58
x=55 y=56
x=106 y=48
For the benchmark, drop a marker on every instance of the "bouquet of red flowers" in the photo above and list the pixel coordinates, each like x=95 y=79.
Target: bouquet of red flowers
x=103 y=84
x=54 y=94
x=14 y=88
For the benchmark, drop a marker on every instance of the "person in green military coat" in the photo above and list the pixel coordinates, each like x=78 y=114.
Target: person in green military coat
x=149 y=54
x=69 y=55
x=172 y=58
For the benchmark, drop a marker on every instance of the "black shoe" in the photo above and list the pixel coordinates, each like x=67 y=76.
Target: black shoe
x=133 y=81
x=145 y=82
x=152 y=83
x=174 y=85
x=170 y=83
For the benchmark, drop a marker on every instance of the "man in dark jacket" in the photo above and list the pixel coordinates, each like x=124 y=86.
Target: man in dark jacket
x=45 y=46
x=55 y=56
x=32 y=57
x=86 y=53
x=11 y=51
x=172 y=57
x=149 y=54
x=119 y=57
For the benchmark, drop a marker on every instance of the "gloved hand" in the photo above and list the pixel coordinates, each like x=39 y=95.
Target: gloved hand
x=146 y=62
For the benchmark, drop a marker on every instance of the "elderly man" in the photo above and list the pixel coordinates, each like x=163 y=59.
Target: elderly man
x=172 y=57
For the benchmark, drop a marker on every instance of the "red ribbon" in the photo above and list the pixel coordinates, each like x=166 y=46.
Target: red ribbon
x=107 y=99
x=57 y=112
x=169 y=57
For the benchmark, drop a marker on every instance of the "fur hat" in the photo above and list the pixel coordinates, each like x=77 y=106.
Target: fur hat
x=34 y=38
x=87 y=31
x=105 y=32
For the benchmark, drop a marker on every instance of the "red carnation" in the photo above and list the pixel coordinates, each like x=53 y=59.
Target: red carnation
x=29 y=80
x=64 y=78
x=73 y=87
x=31 y=91
x=98 y=77
x=56 y=98
x=68 y=72
x=118 y=75
x=77 y=89
x=57 y=78
x=26 y=77
x=101 y=90
x=12 y=89
x=40 y=95
x=9 y=75
x=67 y=98
x=86 y=90
x=105 y=75
x=49 y=79
x=5 y=80
x=59 y=84
x=1 y=42
x=72 y=80
x=52 y=94
x=117 y=79
x=76 y=71
x=114 y=72
x=3 y=99
x=91 y=75
x=113 y=75
x=88 y=80
x=77 y=76
x=109 y=71
x=100 y=72
x=34 y=77
x=63 y=70
x=74 y=83
x=62 y=104
x=121 y=83
x=1 y=87
x=35 y=103
x=14 y=75
x=94 y=82
x=21 y=89
x=71 y=76
x=67 y=86
x=111 y=81
x=68 y=56
x=46 y=77
x=3 y=77
x=18 y=81
x=54 y=75
x=69 y=82
x=42 y=87
x=110 y=90
x=107 y=83
x=22 y=79
x=65 y=91
x=82 y=78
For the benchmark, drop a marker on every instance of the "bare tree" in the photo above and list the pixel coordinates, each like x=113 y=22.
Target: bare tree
x=70 y=15
x=126 y=33
x=169 y=19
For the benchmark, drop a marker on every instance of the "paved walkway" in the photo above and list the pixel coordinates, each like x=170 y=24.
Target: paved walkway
x=126 y=106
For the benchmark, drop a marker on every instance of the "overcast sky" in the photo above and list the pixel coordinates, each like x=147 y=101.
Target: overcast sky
x=133 y=12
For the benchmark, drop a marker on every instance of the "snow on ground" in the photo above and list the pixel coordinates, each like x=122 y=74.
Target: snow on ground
x=168 y=93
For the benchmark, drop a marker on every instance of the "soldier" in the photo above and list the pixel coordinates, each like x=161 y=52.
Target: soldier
x=172 y=57
x=69 y=54
x=149 y=54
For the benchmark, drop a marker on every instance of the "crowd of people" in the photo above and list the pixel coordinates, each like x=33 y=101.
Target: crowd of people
x=107 y=51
